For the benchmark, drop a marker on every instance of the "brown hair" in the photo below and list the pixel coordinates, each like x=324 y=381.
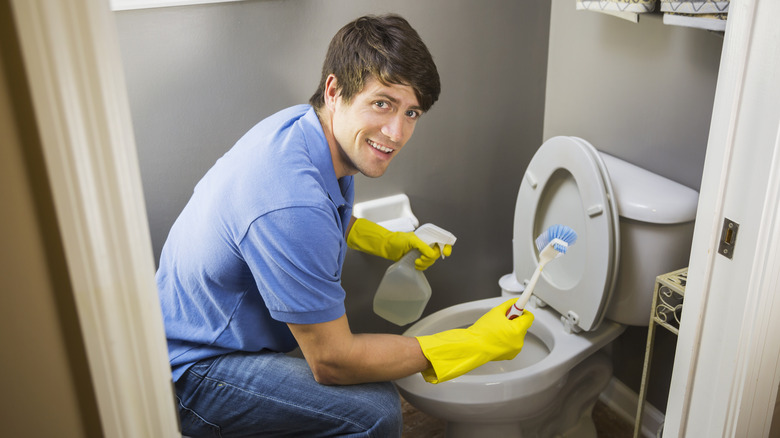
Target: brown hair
x=384 y=47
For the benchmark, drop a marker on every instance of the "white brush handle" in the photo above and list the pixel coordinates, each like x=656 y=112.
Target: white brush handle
x=517 y=309
x=545 y=256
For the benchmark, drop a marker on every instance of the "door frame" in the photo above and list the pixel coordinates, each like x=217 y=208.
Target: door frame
x=71 y=56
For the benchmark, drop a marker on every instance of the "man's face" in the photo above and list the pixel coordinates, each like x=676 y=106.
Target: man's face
x=372 y=129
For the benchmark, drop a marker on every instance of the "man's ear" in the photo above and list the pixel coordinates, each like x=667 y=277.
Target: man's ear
x=331 y=91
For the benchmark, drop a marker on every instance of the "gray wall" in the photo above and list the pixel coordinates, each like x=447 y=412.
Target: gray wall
x=200 y=76
x=642 y=92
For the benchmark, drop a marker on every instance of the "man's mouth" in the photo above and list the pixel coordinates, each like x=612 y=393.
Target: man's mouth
x=379 y=147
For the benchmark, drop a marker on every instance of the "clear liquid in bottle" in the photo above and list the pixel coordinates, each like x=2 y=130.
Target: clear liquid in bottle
x=403 y=293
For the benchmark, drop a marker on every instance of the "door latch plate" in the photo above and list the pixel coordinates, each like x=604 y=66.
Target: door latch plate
x=728 y=238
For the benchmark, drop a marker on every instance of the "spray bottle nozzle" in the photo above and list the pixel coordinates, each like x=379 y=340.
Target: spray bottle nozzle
x=435 y=235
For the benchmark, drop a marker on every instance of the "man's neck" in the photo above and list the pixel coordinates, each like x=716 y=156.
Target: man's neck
x=325 y=117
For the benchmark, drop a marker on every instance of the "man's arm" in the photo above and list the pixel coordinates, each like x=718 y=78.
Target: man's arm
x=336 y=356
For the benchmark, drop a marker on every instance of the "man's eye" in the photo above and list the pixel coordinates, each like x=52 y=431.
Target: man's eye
x=381 y=104
x=412 y=114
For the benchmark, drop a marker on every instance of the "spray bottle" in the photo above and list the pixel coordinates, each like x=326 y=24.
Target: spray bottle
x=404 y=291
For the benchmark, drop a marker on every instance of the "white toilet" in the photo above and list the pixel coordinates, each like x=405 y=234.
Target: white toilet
x=633 y=225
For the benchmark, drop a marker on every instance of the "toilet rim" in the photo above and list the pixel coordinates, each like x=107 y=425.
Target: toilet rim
x=566 y=350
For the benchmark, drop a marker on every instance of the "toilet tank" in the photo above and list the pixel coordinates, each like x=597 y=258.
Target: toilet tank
x=656 y=229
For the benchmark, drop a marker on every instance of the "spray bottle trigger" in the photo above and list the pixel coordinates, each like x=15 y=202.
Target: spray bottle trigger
x=434 y=235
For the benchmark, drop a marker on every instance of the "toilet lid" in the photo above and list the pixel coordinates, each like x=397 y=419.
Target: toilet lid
x=567 y=183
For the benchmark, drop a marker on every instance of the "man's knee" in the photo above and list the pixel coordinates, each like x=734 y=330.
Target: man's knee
x=387 y=412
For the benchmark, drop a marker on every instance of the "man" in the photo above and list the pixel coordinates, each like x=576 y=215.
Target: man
x=252 y=267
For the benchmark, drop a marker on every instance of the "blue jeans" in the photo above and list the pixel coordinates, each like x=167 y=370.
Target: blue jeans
x=272 y=394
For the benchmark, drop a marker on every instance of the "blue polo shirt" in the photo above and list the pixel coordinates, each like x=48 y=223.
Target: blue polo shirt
x=260 y=244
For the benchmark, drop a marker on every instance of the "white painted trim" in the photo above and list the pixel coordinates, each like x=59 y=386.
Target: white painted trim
x=756 y=379
x=71 y=55
x=123 y=5
x=623 y=401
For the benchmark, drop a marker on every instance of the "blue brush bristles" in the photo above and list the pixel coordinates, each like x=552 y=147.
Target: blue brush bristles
x=561 y=232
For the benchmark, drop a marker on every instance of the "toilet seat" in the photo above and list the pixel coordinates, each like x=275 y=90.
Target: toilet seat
x=567 y=183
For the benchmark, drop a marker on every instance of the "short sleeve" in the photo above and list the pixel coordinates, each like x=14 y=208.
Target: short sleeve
x=295 y=256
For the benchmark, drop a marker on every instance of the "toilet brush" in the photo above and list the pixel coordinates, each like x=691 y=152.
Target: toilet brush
x=552 y=243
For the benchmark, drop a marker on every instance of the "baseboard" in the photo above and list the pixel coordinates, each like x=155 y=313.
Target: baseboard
x=623 y=401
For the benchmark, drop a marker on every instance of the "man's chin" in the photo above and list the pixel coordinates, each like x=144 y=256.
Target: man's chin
x=375 y=172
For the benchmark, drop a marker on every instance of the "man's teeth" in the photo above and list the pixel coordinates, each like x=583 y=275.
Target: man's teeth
x=379 y=147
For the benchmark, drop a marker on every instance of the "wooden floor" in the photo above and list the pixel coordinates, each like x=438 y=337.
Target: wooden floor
x=421 y=425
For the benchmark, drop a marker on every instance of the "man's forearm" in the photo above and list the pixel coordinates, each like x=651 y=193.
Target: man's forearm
x=338 y=357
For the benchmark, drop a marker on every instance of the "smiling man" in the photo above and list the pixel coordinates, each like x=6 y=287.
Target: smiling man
x=252 y=266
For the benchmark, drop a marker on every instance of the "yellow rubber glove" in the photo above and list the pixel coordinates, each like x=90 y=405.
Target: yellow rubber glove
x=371 y=238
x=493 y=337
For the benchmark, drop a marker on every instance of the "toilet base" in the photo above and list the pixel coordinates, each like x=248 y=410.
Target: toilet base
x=568 y=416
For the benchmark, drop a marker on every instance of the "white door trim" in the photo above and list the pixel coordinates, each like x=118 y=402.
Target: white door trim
x=756 y=379
x=71 y=56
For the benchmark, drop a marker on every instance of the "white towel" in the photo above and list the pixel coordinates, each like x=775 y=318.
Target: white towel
x=716 y=22
x=702 y=14
x=695 y=6
x=626 y=9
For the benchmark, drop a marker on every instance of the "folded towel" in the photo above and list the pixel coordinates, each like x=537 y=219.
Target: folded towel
x=695 y=6
x=625 y=9
x=702 y=14
x=636 y=6
x=715 y=22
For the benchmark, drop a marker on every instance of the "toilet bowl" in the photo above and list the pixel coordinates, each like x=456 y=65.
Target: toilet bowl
x=581 y=303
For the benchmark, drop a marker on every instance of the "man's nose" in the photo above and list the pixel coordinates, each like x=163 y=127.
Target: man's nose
x=394 y=128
